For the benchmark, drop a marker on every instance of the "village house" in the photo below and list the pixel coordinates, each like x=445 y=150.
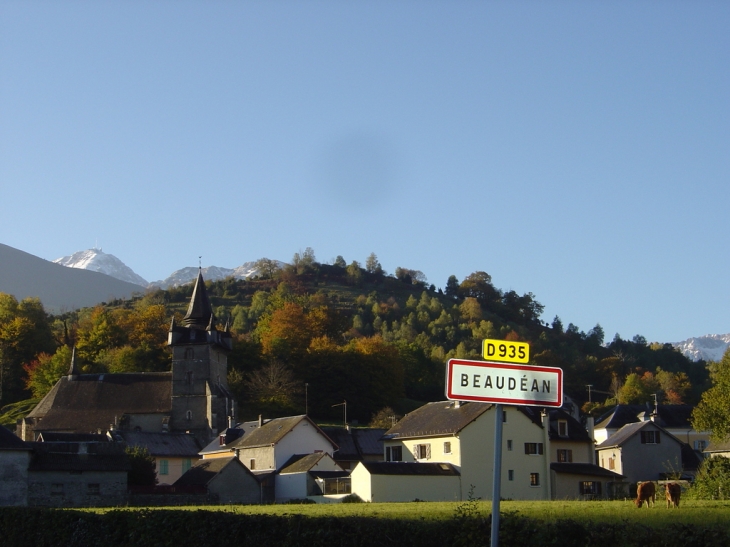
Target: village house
x=265 y=447
x=312 y=476
x=174 y=453
x=462 y=435
x=356 y=444
x=192 y=398
x=645 y=451
x=676 y=419
x=573 y=473
x=224 y=480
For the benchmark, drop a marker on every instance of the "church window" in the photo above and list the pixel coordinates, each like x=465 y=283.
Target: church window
x=189 y=415
x=189 y=353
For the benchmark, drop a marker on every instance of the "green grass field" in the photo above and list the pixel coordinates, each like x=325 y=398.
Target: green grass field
x=691 y=512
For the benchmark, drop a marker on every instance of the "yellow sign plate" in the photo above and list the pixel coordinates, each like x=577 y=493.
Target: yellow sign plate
x=508 y=352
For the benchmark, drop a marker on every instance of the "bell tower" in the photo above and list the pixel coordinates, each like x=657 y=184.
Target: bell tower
x=201 y=402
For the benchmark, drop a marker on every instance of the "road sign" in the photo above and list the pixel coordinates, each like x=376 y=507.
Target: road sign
x=503 y=383
x=502 y=350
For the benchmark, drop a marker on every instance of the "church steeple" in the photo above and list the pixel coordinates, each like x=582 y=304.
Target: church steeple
x=200 y=312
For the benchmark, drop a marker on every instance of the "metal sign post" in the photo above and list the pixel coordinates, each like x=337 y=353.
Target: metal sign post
x=513 y=382
x=497 y=475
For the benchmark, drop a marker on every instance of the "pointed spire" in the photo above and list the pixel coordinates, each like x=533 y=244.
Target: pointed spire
x=200 y=312
x=73 y=370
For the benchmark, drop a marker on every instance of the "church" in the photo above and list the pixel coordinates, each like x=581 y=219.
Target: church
x=193 y=397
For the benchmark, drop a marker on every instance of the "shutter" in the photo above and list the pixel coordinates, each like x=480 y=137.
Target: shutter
x=428 y=451
x=415 y=451
x=643 y=437
x=656 y=436
x=539 y=448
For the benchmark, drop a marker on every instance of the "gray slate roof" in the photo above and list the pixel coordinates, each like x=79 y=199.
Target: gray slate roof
x=172 y=445
x=301 y=463
x=410 y=468
x=93 y=402
x=8 y=441
x=357 y=443
x=671 y=416
x=78 y=457
x=629 y=430
x=205 y=470
x=447 y=418
x=584 y=469
x=272 y=431
x=434 y=419
x=576 y=431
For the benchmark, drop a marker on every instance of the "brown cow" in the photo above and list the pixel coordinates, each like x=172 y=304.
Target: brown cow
x=645 y=492
x=673 y=491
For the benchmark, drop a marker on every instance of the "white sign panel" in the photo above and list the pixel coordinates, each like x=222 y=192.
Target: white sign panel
x=504 y=383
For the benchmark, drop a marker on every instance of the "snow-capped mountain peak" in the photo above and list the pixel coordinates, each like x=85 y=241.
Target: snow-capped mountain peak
x=98 y=261
x=710 y=347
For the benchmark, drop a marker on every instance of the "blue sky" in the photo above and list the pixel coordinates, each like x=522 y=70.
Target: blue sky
x=576 y=150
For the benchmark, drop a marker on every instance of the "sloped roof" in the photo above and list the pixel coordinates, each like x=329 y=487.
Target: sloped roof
x=357 y=442
x=629 y=430
x=272 y=431
x=174 y=445
x=671 y=416
x=8 y=441
x=200 y=312
x=718 y=447
x=576 y=431
x=584 y=469
x=439 y=418
x=410 y=468
x=301 y=463
x=91 y=402
x=203 y=471
x=78 y=457
x=56 y=437
x=447 y=418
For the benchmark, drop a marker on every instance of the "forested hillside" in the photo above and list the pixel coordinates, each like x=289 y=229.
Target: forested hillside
x=317 y=335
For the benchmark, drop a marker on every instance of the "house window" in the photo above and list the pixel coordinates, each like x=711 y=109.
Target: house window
x=509 y=444
x=612 y=463
x=565 y=456
x=422 y=451
x=562 y=428
x=590 y=488
x=447 y=447
x=534 y=479
x=649 y=437
x=533 y=449
x=57 y=489
x=164 y=467
x=511 y=475
x=504 y=416
x=92 y=489
x=252 y=464
x=700 y=445
x=393 y=453
x=187 y=463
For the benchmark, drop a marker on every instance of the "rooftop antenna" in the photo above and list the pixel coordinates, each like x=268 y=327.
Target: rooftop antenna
x=200 y=262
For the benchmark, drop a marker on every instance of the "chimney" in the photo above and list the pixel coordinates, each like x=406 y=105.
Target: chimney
x=261 y=420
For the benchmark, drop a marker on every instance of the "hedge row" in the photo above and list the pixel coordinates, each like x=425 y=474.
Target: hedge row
x=156 y=528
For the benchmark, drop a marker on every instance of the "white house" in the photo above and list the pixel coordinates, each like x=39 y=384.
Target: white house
x=310 y=475
x=462 y=435
x=406 y=481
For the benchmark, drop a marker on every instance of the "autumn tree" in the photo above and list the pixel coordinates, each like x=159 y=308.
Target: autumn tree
x=372 y=265
x=713 y=412
x=46 y=370
x=266 y=267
